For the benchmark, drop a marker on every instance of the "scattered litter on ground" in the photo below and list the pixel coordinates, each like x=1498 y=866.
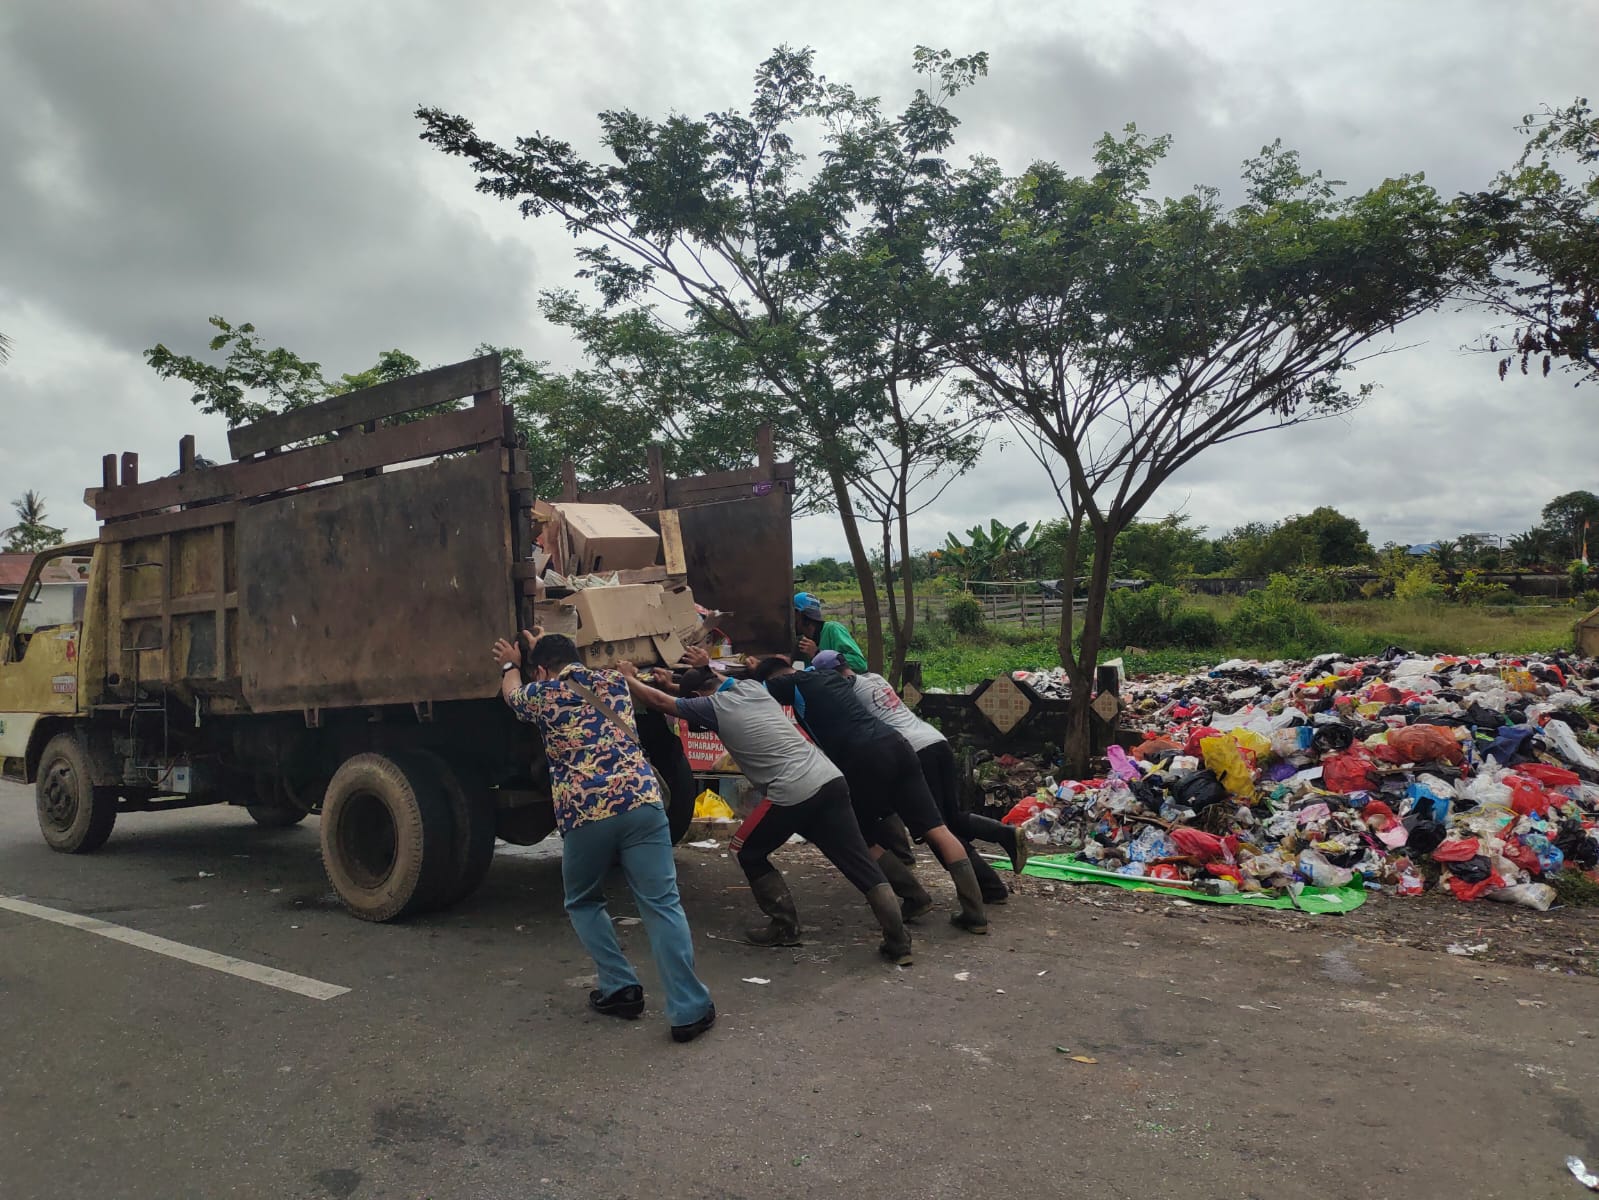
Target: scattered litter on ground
x=1464 y=950
x=627 y=920
x=1305 y=785
x=963 y=976
x=756 y=979
x=1083 y=1058
x=208 y=874
x=707 y=844
x=1583 y=1175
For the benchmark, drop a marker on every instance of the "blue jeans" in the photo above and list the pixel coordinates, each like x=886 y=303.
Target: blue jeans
x=641 y=841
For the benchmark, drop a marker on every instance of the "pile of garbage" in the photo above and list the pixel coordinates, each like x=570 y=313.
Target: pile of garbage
x=1404 y=773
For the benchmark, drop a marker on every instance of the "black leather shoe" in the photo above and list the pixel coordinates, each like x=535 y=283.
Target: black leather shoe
x=687 y=1033
x=627 y=1003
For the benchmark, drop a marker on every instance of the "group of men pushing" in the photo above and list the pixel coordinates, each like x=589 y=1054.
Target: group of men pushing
x=865 y=770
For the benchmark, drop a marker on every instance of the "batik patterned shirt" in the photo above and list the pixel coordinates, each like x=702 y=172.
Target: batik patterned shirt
x=596 y=771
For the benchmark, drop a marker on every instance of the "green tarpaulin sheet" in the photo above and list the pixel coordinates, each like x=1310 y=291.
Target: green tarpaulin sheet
x=1311 y=899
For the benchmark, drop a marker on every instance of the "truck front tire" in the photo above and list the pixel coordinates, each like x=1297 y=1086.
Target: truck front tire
x=387 y=836
x=75 y=816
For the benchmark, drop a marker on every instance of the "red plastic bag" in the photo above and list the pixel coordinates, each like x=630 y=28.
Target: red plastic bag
x=1225 y=871
x=1379 y=816
x=1456 y=850
x=1383 y=693
x=1024 y=810
x=1191 y=747
x=1473 y=891
x=1196 y=843
x=1147 y=750
x=1526 y=797
x=1420 y=743
x=1351 y=771
x=1163 y=871
x=1548 y=774
x=1523 y=857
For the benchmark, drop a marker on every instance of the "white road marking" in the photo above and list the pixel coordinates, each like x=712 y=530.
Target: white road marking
x=315 y=989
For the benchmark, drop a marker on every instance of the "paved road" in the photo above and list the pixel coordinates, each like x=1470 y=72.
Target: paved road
x=1232 y=1060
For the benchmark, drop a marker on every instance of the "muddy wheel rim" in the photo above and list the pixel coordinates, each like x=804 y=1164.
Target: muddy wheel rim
x=59 y=793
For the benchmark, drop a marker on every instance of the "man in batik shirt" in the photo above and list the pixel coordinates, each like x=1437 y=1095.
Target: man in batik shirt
x=608 y=806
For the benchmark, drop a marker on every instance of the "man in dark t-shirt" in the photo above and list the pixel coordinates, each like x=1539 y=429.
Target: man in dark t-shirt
x=882 y=771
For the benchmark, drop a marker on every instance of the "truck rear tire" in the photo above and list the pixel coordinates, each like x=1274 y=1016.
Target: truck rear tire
x=75 y=816
x=472 y=826
x=275 y=816
x=273 y=809
x=387 y=836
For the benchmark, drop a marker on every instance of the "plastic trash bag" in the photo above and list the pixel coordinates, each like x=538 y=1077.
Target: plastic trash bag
x=1422 y=743
x=1316 y=870
x=1224 y=757
x=708 y=806
x=1530 y=895
x=1350 y=771
x=1565 y=741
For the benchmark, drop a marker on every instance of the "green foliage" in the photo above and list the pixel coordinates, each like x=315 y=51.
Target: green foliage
x=1473 y=590
x=1163 y=550
x=30 y=534
x=251 y=382
x=824 y=571
x=1321 y=585
x=1569 y=518
x=1423 y=582
x=1156 y=617
x=965 y=616
x=1273 y=617
x=1543 y=216
x=1589 y=600
x=1577 y=571
x=1001 y=552
x=1321 y=538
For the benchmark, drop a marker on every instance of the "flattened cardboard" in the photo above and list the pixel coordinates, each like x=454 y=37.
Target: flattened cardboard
x=629 y=622
x=604 y=538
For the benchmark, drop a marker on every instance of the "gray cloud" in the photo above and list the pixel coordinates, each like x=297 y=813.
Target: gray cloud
x=164 y=161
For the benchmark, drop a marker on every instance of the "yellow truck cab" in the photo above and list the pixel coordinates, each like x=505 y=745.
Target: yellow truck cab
x=42 y=694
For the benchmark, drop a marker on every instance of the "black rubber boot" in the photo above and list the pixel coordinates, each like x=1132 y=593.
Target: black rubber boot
x=973 y=917
x=1008 y=838
x=914 y=900
x=896 y=945
x=772 y=894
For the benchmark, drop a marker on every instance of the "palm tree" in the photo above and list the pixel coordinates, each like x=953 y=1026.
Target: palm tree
x=1446 y=555
x=1531 y=549
x=5 y=347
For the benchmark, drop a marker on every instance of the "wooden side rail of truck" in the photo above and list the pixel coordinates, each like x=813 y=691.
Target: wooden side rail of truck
x=304 y=630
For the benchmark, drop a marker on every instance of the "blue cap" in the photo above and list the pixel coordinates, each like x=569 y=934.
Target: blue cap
x=807 y=605
x=827 y=660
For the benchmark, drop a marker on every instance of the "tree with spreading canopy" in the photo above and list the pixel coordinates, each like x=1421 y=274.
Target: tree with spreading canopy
x=31 y=534
x=820 y=276
x=1126 y=334
x=1571 y=518
x=1544 y=216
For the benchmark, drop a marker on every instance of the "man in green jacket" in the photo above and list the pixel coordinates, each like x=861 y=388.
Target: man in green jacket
x=816 y=633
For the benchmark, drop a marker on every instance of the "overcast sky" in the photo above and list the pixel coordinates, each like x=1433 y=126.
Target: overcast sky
x=164 y=161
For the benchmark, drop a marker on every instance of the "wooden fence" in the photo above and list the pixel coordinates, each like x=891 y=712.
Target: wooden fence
x=1036 y=611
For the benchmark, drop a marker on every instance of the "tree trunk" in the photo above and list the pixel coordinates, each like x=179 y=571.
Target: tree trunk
x=863 y=568
x=896 y=624
x=1079 y=746
x=906 y=630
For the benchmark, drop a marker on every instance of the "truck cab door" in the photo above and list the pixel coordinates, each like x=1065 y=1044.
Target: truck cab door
x=39 y=659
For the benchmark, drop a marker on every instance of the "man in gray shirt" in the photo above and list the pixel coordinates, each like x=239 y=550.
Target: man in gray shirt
x=804 y=793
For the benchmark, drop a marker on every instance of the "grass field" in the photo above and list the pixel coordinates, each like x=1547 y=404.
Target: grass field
x=1365 y=627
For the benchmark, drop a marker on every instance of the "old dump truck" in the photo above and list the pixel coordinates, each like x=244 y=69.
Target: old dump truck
x=305 y=630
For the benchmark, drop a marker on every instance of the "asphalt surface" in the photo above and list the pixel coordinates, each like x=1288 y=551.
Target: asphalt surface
x=1231 y=1059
